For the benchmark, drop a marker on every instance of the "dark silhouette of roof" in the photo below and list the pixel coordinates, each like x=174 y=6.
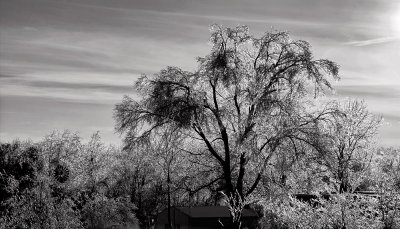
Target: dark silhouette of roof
x=213 y=212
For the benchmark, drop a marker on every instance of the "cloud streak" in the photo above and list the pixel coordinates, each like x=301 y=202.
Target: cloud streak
x=375 y=41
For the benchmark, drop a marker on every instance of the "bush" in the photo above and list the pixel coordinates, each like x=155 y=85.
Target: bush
x=34 y=210
x=341 y=211
x=102 y=212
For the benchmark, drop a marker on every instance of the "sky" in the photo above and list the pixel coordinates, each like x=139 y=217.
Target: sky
x=64 y=64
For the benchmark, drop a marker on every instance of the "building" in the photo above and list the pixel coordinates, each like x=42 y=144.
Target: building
x=210 y=217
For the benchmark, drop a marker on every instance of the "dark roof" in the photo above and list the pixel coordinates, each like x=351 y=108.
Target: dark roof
x=213 y=212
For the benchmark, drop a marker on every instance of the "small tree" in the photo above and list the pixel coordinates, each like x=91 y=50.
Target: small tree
x=343 y=143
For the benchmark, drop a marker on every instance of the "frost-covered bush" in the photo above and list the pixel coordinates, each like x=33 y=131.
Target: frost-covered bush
x=340 y=211
x=37 y=209
x=102 y=212
x=40 y=188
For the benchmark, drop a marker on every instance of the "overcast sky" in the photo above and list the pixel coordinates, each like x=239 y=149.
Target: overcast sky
x=65 y=63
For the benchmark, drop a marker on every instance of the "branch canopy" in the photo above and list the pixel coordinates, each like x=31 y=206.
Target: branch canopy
x=243 y=78
x=245 y=98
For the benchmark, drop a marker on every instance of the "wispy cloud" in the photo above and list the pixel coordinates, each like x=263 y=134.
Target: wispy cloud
x=375 y=41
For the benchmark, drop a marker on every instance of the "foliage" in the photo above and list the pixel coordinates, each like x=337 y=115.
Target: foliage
x=102 y=212
x=387 y=179
x=41 y=184
x=340 y=211
x=29 y=200
x=19 y=169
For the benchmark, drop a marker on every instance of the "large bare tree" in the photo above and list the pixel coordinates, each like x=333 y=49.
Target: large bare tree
x=247 y=97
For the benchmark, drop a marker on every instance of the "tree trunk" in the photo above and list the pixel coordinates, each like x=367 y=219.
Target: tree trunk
x=236 y=225
x=169 y=200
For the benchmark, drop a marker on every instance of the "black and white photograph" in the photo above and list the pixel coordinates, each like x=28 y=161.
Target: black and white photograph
x=200 y=114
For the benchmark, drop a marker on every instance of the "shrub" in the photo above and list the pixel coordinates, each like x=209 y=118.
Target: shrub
x=103 y=212
x=340 y=211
